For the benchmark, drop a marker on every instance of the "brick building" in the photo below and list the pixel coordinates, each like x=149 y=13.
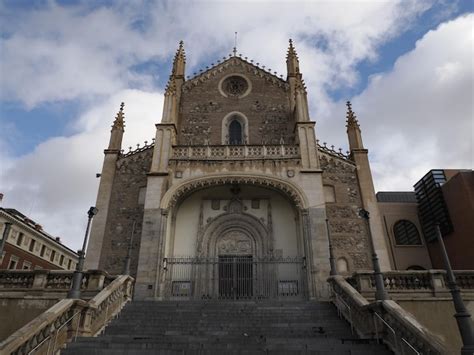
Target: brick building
x=29 y=247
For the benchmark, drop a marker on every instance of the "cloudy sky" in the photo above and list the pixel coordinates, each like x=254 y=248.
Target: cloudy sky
x=65 y=66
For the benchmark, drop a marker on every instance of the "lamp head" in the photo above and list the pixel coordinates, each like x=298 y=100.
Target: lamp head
x=92 y=211
x=364 y=214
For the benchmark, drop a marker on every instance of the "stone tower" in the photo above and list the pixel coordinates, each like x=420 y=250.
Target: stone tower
x=231 y=199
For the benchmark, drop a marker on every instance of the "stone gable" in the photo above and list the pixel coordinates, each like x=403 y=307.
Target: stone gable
x=204 y=106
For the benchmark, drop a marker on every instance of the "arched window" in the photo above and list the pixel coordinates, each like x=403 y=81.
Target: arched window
x=406 y=233
x=235 y=132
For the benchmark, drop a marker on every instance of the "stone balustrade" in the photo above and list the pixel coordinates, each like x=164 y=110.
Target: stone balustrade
x=51 y=280
x=69 y=318
x=412 y=283
x=235 y=152
x=383 y=320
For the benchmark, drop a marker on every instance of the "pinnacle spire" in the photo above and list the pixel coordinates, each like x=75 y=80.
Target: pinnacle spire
x=119 y=119
x=291 y=50
x=292 y=62
x=351 y=117
x=179 y=61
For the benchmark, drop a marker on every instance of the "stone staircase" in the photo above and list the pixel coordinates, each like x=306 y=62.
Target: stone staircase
x=227 y=328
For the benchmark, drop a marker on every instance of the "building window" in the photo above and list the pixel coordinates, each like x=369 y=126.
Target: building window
x=69 y=264
x=235 y=132
x=61 y=260
x=53 y=255
x=26 y=265
x=19 y=241
x=43 y=249
x=13 y=262
x=32 y=245
x=406 y=233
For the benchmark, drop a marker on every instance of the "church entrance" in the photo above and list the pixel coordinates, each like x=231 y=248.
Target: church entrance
x=235 y=277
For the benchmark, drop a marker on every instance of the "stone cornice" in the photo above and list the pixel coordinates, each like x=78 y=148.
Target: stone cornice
x=233 y=62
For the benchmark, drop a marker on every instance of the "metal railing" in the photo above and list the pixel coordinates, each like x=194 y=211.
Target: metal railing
x=232 y=277
x=398 y=343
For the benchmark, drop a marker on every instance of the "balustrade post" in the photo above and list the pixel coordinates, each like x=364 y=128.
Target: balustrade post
x=463 y=317
x=96 y=280
x=437 y=282
x=40 y=279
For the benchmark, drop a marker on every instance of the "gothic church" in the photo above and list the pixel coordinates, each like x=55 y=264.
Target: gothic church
x=235 y=198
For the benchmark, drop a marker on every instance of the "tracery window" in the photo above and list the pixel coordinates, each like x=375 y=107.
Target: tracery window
x=235 y=132
x=406 y=233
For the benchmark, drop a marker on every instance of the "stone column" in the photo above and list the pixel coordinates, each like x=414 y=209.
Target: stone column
x=96 y=238
x=153 y=238
x=315 y=235
x=308 y=146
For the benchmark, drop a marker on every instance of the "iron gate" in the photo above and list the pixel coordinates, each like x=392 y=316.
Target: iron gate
x=235 y=277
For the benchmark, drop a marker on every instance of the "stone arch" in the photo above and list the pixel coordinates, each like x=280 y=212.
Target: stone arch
x=179 y=192
x=241 y=119
x=242 y=226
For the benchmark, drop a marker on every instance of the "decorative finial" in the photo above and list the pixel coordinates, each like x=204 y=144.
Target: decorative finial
x=291 y=50
x=235 y=44
x=119 y=119
x=351 y=117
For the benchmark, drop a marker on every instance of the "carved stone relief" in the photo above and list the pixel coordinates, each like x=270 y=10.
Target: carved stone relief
x=234 y=242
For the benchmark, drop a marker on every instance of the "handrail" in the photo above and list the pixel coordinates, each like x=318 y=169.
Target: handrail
x=34 y=335
x=339 y=299
x=396 y=320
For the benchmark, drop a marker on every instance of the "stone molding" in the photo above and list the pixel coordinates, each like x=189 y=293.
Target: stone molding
x=228 y=65
x=176 y=193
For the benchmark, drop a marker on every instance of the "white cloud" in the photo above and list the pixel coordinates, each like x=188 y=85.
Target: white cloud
x=55 y=184
x=65 y=53
x=70 y=53
x=420 y=116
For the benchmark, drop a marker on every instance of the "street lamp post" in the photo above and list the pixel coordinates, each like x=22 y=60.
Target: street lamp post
x=463 y=318
x=380 y=293
x=332 y=261
x=75 y=291
x=6 y=232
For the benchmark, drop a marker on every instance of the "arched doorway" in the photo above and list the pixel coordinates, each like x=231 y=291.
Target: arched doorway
x=237 y=242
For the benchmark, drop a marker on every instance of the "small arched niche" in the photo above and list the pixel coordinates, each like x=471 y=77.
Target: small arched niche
x=342 y=266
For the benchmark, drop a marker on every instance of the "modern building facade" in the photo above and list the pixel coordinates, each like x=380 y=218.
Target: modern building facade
x=28 y=246
x=441 y=196
x=232 y=197
x=446 y=196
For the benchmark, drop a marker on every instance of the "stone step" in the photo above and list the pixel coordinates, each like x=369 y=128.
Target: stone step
x=225 y=328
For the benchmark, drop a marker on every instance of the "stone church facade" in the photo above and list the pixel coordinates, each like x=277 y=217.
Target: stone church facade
x=235 y=197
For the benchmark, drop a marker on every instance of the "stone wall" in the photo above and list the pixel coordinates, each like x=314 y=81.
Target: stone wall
x=126 y=206
x=349 y=234
x=203 y=107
